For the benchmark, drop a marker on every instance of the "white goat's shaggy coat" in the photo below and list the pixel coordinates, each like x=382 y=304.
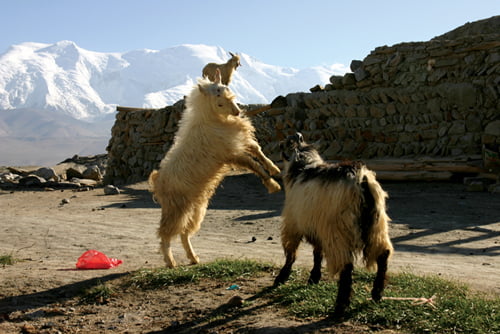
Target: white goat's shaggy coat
x=225 y=69
x=340 y=209
x=211 y=138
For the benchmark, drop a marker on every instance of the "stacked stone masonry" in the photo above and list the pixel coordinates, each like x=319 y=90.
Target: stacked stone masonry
x=439 y=98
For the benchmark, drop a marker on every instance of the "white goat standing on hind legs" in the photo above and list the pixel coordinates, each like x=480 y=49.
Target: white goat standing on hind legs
x=212 y=137
x=226 y=69
x=340 y=210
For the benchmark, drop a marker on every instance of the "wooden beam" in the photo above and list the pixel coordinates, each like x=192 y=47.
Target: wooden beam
x=413 y=176
x=121 y=108
x=258 y=110
x=432 y=166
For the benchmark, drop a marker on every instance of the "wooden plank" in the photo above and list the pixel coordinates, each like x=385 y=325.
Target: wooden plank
x=413 y=176
x=455 y=167
x=121 y=108
x=258 y=110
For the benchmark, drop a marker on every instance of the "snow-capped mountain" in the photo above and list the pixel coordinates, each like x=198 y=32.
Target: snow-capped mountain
x=57 y=100
x=87 y=85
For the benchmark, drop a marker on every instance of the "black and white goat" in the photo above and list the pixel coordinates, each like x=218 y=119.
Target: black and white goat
x=340 y=210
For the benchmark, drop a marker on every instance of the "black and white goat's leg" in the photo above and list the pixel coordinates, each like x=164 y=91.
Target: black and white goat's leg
x=344 y=290
x=291 y=242
x=315 y=275
x=380 y=278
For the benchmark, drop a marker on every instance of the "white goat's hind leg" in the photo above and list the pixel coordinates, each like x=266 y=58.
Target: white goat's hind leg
x=167 y=253
x=186 y=243
x=194 y=225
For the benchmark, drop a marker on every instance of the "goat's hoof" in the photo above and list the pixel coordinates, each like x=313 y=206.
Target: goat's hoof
x=274 y=171
x=195 y=260
x=338 y=316
x=311 y=281
x=278 y=281
x=339 y=313
x=272 y=186
x=376 y=295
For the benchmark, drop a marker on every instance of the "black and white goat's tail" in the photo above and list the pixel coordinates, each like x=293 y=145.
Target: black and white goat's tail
x=374 y=219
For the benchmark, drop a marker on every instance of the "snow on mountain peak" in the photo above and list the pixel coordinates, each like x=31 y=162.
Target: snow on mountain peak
x=88 y=85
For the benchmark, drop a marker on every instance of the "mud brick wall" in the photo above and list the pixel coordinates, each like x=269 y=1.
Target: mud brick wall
x=439 y=98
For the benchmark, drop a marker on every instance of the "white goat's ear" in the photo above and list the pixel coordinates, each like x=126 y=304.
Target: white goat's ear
x=202 y=89
x=218 y=77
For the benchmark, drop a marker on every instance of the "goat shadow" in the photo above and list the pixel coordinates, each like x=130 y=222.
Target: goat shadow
x=236 y=192
x=225 y=313
x=245 y=192
x=431 y=208
x=51 y=296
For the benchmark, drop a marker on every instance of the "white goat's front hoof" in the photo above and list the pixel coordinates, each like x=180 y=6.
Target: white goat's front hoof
x=272 y=186
x=274 y=170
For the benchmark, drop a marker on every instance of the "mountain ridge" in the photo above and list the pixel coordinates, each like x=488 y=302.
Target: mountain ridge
x=57 y=100
x=87 y=85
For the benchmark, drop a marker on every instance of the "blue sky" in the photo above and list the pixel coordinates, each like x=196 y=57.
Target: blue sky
x=289 y=33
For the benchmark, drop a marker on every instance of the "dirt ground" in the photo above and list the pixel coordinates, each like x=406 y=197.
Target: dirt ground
x=437 y=228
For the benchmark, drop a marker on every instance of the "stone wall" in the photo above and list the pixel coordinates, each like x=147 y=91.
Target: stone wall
x=439 y=98
x=139 y=140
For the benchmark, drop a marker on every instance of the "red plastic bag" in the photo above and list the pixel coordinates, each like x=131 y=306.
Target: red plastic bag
x=93 y=259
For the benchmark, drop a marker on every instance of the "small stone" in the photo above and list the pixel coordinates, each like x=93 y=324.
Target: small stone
x=360 y=74
x=279 y=102
x=9 y=177
x=75 y=171
x=84 y=182
x=317 y=88
x=92 y=173
x=46 y=173
x=111 y=190
x=235 y=301
x=31 y=181
x=356 y=64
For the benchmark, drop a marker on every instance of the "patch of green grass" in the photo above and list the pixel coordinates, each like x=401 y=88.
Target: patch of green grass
x=7 y=260
x=222 y=270
x=99 y=294
x=457 y=309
